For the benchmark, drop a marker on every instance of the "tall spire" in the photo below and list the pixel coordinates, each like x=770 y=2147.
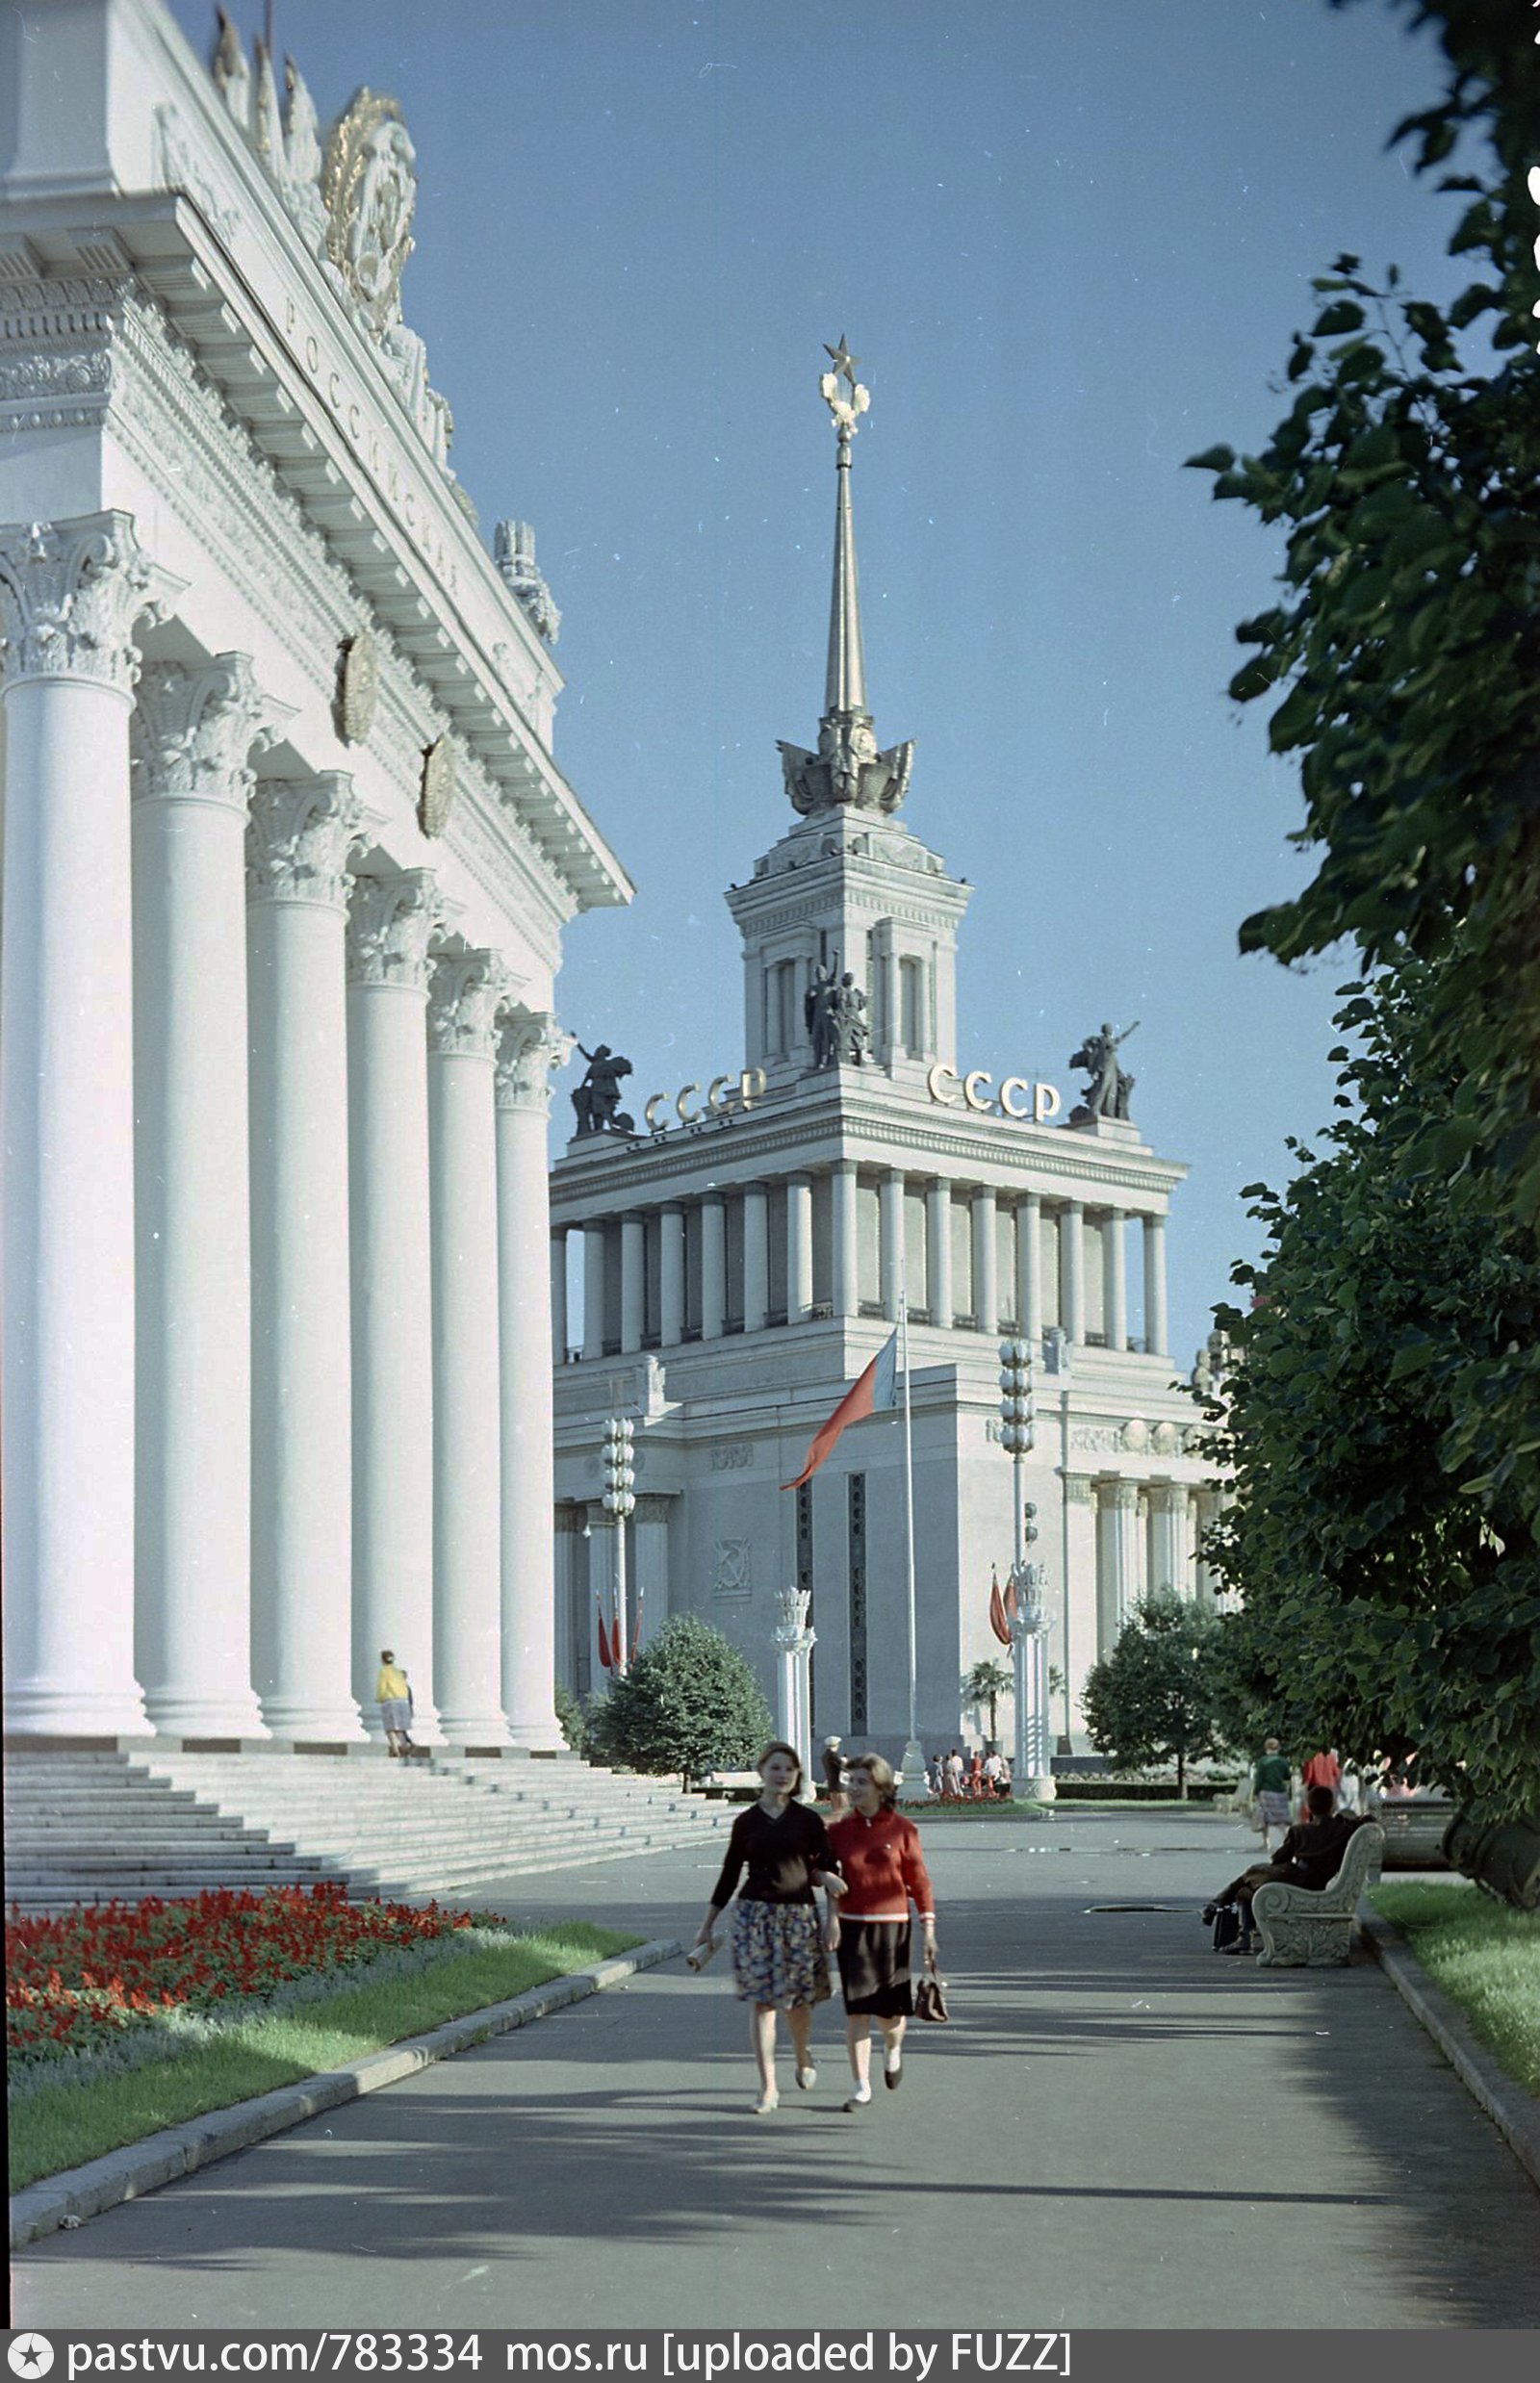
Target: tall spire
x=847 y=768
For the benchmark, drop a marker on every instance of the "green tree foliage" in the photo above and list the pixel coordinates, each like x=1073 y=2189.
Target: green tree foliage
x=1386 y=1609
x=572 y=1719
x=1152 y=1700
x=1406 y=477
x=689 y=1702
x=985 y=1683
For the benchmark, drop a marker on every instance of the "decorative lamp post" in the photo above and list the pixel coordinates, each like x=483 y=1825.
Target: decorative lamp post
x=1028 y=1619
x=794 y=1643
x=618 y=1500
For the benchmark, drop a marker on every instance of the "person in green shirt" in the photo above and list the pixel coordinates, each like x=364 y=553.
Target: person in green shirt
x=1269 y=1788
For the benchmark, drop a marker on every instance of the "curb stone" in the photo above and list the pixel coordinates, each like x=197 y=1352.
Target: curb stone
x=1514 y=2113
x=80 y=2193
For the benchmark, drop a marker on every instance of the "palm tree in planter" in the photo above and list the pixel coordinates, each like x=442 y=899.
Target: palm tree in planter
x=984 y=1685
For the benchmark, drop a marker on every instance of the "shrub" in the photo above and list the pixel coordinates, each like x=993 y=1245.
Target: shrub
x=689 y=1702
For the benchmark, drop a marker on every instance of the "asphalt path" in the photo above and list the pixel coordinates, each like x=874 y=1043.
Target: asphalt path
x=1119 y=2129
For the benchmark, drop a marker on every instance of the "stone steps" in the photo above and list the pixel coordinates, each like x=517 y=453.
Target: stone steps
x=91 y=1827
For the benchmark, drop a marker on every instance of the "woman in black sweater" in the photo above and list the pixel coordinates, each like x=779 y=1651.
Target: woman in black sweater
x=779 y=1957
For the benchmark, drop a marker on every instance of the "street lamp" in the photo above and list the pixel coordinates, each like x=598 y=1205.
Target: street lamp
x=618 y=1500
x=1028 y=1616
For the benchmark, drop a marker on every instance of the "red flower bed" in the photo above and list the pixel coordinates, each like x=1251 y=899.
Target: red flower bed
x=102 y=1968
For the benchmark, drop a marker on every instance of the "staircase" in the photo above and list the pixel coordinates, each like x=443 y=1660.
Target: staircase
x=85 y=1828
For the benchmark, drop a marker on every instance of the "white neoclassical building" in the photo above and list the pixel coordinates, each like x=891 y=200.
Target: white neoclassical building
x=744 y=1251
x=287 y=861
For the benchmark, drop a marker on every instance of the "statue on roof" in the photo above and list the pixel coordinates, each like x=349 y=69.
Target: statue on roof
x=597 y=1099
x=1107 y=1095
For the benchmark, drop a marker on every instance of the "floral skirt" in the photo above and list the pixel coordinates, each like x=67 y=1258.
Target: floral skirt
x=777 y=1955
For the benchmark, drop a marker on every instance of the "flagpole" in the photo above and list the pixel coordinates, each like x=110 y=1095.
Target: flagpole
x=916 y=1782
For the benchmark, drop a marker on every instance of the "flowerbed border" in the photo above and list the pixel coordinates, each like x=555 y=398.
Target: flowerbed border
x=81 y=2192
x=1513 y=2111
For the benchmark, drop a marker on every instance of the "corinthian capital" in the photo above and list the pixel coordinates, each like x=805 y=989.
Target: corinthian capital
x=465 y=994
x=193 y=730
x=391 y=922
x=71 y=592
x=532 y=1047
x=302 y=831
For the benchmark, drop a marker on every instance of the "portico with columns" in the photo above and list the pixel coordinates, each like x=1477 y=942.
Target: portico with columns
x=741 y=1256
x=286 y=863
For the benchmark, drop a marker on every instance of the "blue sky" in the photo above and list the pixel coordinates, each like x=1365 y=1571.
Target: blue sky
x=1069 y=243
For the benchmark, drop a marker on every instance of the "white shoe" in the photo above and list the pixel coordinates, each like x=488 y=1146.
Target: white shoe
x=859 y=2099
x=807 y=2078
x=769 y=2101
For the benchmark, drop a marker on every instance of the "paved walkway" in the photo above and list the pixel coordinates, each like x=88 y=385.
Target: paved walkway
x=1121 y=2130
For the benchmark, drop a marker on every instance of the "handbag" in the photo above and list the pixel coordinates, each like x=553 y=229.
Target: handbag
x=1226 y=1926
x=930 y=1996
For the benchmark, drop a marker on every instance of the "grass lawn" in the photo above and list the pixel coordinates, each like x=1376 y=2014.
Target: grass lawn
x=61 y=2126
x=1485 y=1958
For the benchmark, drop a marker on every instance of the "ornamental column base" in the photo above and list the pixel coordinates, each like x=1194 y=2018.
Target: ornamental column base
x=41 y=1709
x=205 y=1716
x=464 y=1731
x=289 y=1717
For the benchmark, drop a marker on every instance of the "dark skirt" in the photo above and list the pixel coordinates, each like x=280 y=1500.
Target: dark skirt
x=874 y=1968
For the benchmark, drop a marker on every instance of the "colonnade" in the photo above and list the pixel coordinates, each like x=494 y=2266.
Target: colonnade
x=737 y=1258
x=278 y=1370
x=1147 y=1538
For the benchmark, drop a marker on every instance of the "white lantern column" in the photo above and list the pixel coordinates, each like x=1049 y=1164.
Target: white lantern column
x=301 y=835
x=530 y=1049
x=389 y=924
x=466 y=991
x=794 y=1643
x=70 y=595
x=192 y=730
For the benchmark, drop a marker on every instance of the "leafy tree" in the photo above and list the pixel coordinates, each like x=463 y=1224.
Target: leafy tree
x=1152 y=1698
x=1383 y=1610
x=985 y=1683
x=572 y=1719
x=1406 y=475
x=689 y=1702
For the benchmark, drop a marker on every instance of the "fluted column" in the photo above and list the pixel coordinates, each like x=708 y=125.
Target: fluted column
x=192 y=730
x=593 y=1291
x=1115 y=1280
x=391 y=921
x=1107 y=1606
x=633 y=1283
x=558 y=1294
x=938 y=1297
x=1171 y=1538
x=799 y=1248
x=650 y=1536
x=1029 y=1270
x=1156 y=1328
x=1072 y=1269
x=892 y=1229
x=671 y=1277
x=714 y=1266
x=1125 y=1501
x=755 y=1256
x=70 y=596
x=985 y=1260
x=530 y=1049
x=466 y=991
x=843 y=1275
x=301 y=832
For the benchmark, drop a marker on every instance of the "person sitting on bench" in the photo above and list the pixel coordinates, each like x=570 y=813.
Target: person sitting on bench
x=1309 y=1856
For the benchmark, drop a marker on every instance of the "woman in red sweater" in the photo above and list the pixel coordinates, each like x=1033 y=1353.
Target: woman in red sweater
x=879 y=1858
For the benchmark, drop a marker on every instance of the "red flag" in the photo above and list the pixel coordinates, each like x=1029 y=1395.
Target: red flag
x=605 y=1656
x=1010 y=1603
x=997 y=1621
x=872 y=1392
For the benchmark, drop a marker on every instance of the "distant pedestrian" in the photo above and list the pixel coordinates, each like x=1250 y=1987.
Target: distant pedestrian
x=1269 y=1788
x=879 y=1851
x=393 y=1693
x=778 y=1953
x=1323 y=1770
x=976 y=1777
x=954 y=1773
x=834 y=1778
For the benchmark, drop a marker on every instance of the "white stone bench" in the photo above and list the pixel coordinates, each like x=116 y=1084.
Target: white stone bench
x=1312 y=1929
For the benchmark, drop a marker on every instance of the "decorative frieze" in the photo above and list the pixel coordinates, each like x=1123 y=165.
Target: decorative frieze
x=71 y=592
x=302 y=833
x=391 y=923
x=193 y=730
x=466 y=991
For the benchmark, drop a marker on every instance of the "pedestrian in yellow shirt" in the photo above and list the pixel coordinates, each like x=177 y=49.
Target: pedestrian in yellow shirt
x=394 y=1694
